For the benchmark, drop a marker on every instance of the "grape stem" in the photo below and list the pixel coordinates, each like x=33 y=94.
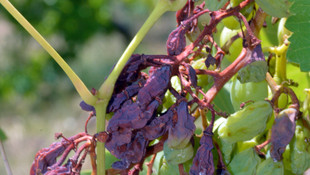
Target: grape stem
x=290 y=92
x=271 y=82
x=181 y=169
x=150 y=165
x=280 y=69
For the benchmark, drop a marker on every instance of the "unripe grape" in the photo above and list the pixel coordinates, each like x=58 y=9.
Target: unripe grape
x=244 y=163
x=231 y=22
x=269 y=167
x=202 y=80
x=169 y=99
x=227 y=149
x=162 y=167
x=300 y=153
x=178 y=156
x=234 y=3
x=243 y=92
x=283 y=101
x=241 y=146
x=235 y=48
x=203 y=20
x=246 y=123
x=166 y=169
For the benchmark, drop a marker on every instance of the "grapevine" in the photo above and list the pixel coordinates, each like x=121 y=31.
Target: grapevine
x=170 y=109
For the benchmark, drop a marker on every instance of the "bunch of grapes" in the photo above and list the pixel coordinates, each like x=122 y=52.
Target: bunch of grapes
x=213 y=104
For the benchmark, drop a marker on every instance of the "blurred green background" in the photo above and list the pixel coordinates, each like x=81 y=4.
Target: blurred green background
x=36 y=98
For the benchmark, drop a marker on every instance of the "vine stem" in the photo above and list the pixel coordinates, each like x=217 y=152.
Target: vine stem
x=107 y=87
x=101 y=107
x=77 y=82
x=280 y=69
x=5 y=160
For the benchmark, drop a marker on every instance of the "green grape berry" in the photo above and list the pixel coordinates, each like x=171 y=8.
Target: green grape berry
x=249 y=11
x=246 y=123
x=243 y=92
x=231 y=22
x=234 y=3
x=203 y=20
x=178 y=156
x=169 y=99
x=202 y=80
x=235 y=47
x=299 y=150
x=244 y=163
x=167 y=169
x=241 y=146
x=227 y=149
x=269 y=167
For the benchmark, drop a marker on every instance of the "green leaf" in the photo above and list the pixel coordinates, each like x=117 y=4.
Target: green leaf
x=299 y=23
x=3 y=137
x=276 y=8
x=301 y=78
x=215 y=4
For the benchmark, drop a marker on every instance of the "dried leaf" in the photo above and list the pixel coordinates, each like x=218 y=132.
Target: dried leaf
x=203 y=161
x=118 y=100
x=282 y=132
x=192 y=76
x=183 y=13
x=256 y=67
x=176 y=41
x=182 y=131
x=158 y=126
x=87 y=107
x=155 y=87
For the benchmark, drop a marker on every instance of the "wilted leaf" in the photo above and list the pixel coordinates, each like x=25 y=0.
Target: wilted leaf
x=256 y=68
x=282 y=132
x=203 y=160
x=182 y=131
x=176 y=41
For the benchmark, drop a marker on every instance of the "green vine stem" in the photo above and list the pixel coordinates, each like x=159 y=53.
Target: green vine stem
x=101 y=107
x=280 y=69
x=77 y=82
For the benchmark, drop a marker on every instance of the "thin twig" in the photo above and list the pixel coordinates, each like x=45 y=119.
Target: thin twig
x=181 y=169
x=150 y=165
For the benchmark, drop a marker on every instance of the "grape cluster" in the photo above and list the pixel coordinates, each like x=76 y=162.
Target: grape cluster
x=163 y=105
